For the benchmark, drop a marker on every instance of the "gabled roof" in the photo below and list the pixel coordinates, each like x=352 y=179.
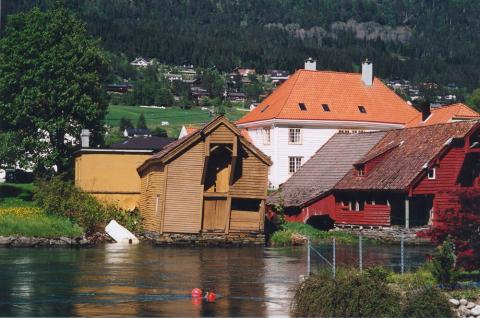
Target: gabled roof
x=143 y=143
x=445 y=114
x=342 y=92
x=324 y=169
x=169 y=151
x=417 y=147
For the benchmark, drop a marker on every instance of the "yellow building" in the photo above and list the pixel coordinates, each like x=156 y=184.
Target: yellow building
x=111 y=174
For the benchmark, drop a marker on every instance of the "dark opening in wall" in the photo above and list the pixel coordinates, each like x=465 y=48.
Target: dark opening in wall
x=321 y=222
x=252 y=205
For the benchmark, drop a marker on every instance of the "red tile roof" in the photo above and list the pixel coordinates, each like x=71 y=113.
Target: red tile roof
x=445 y=114
x=342 y=92
x=417 y=147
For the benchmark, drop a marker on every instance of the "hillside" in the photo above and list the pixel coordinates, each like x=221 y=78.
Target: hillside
x=420 y=40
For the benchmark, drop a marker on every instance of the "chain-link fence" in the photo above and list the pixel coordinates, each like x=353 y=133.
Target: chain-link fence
x=397 y=256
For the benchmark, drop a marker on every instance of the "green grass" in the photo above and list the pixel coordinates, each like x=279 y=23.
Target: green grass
x=16 y=195
x=470 y=294
x=283 y=237
x=38 y=226
x=174 y=115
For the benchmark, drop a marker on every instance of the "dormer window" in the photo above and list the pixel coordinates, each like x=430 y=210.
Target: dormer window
x=432 y=174
x=362 y=109
x=361 y=172
x=302 y=106
x=325 y=107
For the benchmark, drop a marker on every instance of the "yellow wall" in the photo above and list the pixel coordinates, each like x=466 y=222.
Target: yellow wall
x=110 y=176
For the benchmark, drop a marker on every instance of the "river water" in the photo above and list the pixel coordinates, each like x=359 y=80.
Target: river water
x=143 y=280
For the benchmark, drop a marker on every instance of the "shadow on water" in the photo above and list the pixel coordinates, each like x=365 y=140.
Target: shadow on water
x=148 y=281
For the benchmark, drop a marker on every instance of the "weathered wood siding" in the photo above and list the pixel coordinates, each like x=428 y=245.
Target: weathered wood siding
x=244 y=221
x=221 y=134
x=253 y=181
x=446 y=174
x=183 y=209
x=378 y=214
x=152 y=200
x=323 y=206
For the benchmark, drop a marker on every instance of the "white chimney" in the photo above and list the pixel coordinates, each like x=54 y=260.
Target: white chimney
x=310 y=64
x=85 y=136
x=367 y=73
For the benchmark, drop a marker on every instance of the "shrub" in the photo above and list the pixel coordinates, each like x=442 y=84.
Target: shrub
x=62 y=198
x=443 y=264
x=350 y=294
x=426 y=302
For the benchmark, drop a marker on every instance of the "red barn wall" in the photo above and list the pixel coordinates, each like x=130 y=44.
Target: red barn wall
x=323 y=206
x=378 y=214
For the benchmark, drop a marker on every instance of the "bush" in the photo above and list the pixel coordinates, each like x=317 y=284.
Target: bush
x=443 y=264
x=62 y=198
x=350 y=294
x=283 y=237
x=426 y=302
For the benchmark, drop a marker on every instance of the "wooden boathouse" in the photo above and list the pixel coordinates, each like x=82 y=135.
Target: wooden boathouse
x=211 y=183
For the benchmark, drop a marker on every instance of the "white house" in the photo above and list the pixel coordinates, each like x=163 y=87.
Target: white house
x=311 y=106
x=141 y=62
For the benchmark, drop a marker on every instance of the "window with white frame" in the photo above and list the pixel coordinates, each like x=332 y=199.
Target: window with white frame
x=294 y=163
x=295 y=136
x=266 y=136
x=432 y=174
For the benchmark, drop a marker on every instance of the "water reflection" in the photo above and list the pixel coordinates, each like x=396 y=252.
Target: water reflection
x=142 y=280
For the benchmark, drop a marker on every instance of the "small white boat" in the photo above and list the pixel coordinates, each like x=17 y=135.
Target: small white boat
x=120 y=234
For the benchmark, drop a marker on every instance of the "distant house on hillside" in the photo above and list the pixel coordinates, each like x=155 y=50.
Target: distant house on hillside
x=445 y=114
x=136 y=132
x=141 y=62
x=236 y=97
x=277 y=76
x=398 y=177
x=311 y=106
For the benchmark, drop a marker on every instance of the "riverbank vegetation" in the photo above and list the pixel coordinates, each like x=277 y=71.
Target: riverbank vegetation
x=57 y=208
x=34 y=222
x=62 y=198
x=379 y=292
x=366 y=294
x=290 y=232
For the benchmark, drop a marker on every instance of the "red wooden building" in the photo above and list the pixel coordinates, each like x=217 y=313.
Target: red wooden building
x=401 y=179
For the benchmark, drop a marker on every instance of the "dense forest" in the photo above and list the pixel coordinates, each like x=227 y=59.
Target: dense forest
x=420 y=40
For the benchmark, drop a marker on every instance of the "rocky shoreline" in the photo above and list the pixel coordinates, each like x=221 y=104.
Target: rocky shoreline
x=77 y=242
x=464 y=308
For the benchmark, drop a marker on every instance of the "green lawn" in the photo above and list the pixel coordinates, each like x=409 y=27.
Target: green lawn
x=20 y=216
x=176 y=117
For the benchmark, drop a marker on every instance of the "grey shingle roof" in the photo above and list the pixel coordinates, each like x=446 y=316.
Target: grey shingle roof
x=325 y=168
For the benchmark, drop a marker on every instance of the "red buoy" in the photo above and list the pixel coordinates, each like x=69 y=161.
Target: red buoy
x=211 y=297
x=197 y=293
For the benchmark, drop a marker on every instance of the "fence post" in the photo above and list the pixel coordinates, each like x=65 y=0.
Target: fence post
x=360 y=252
x=308 y=256
x=402 y=252
x=333 y=261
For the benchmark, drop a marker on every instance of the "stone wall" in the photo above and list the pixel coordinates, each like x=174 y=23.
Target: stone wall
x=206 y=239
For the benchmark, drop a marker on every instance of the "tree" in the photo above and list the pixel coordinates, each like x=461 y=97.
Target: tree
x=141 y=122
x=462 y=226
x=51 y=76
x=125 y=123
x=474 y=100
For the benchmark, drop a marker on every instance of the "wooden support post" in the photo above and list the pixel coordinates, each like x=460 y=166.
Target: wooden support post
x=407 y=213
